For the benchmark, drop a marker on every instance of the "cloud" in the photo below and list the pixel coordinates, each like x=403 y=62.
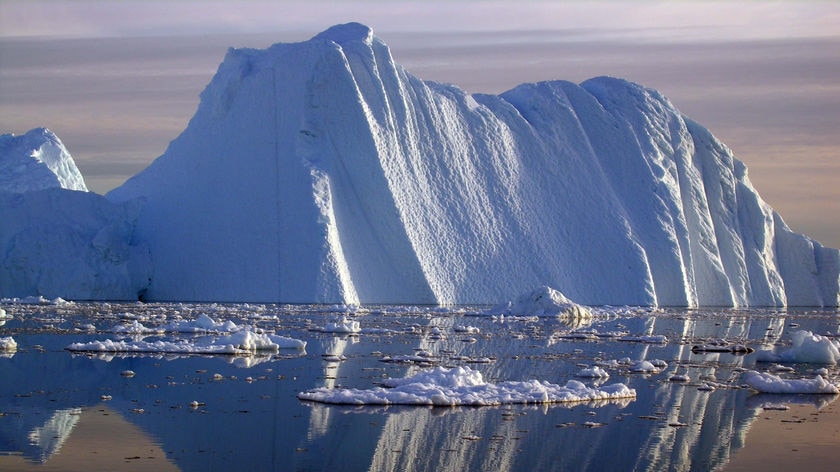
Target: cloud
x=640 y=19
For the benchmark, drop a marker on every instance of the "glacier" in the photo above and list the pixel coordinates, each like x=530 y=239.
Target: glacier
x=324 y=172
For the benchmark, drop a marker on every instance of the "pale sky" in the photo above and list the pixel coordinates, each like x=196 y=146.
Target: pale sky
x=118 y=80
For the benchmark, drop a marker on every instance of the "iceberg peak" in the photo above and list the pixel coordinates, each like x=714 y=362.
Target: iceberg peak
x=347 y=32
x=37 y=160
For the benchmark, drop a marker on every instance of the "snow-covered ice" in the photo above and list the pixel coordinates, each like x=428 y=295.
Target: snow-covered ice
x=464 y=386
x=769 y=383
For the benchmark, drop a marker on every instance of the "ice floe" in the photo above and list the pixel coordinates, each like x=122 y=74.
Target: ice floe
x=240 y=343
x=464 y=386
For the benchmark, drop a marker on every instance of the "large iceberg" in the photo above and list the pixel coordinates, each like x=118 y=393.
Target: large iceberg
x=56 y=238
x=322 y=171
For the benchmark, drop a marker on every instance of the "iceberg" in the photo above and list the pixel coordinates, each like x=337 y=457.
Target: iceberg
x=56 y=238
x=324 y=172
x=37 y=160
x=546 y=302
x=807 y=347
x=768 y=383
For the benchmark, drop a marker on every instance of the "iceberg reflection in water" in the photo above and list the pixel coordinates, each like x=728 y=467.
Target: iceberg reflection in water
x=212 y=412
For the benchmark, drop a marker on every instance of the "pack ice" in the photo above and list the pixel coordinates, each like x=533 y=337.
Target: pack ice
x=322 y=171
x=56 y=238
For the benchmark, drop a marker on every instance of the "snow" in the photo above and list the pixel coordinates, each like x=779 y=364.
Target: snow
x=37 y=160
x=769 y=383
x=324 y=172
x=464 y=386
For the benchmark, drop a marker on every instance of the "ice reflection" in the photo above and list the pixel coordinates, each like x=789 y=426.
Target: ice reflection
x=250 y=417
x=47 y=439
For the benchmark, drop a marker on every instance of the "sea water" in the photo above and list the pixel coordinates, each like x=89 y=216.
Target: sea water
x=242 y=412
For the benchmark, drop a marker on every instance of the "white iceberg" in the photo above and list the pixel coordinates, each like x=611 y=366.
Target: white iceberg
x=464 y=386
x=601 y=189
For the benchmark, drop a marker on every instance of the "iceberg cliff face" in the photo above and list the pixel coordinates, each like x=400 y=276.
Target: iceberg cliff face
x=324 y=172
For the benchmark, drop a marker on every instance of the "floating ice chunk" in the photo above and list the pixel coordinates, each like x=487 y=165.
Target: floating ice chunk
x=769 y=383
x=807 y=348
x=679 y=378
x=251 y=341
x=594 y=373
x=240 y=343
x=343 y=325
x=8 y=344
x=464 y=386
x=202 y=324
x=544 y=301
x=135 y=327
x=644 y=366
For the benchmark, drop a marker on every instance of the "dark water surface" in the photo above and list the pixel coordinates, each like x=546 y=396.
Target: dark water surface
x=182 y=412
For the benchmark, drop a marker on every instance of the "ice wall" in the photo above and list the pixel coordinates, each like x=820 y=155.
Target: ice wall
x=322 y=171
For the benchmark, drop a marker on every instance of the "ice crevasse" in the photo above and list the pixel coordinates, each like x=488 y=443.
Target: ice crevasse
x=322 y=171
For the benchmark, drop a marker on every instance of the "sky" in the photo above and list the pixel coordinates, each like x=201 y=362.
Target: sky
x=118 y=80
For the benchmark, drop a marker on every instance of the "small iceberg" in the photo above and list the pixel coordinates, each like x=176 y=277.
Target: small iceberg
x=544 y=302
x=344 y=325
x=464 y=386
x=769 y=383
x=807 y=348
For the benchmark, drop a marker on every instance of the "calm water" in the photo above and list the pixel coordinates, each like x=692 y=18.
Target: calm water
x=53 y=403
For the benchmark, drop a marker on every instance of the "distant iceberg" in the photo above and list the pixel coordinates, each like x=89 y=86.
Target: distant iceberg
x=56 y=238
x=323 y=172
